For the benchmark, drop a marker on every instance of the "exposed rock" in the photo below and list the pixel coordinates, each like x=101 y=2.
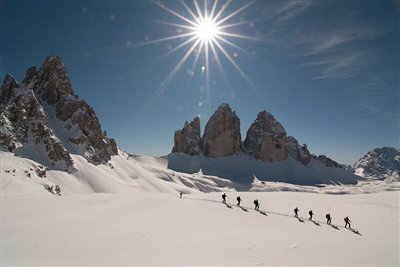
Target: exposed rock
x=380 y=164
x=30 y=76
x=327 y=161
x=299 y=153
x=188 y=139
x=53 y=81
x=266 y=139
x=222 y=133
x=43 y=107
x=7 y=89
x=24 y=122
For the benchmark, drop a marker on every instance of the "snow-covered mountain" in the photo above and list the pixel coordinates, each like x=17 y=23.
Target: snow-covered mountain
x=136 y=218
x=380 y=164
x=42 y=119
x=267 y=152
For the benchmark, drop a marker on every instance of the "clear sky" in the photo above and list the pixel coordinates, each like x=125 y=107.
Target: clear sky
x=327 y=70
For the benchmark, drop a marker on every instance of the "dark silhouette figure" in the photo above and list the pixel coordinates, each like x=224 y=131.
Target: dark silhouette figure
x=328 y=218
x=256 y=204
x=238 y=200
x=180 y=195
x=311 y=214
x=296 y=210
x=224 y=198
x=58 y=190
x=347 y=221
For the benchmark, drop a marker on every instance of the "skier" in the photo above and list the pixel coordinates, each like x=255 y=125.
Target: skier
x=224 y=198
x=347 y=221
x=58 y=190
x=328 y=218
x=180 y=195
x=311 y=214
x=238 y=200
x=296 y=210
x=50 y=189
x=256 y=204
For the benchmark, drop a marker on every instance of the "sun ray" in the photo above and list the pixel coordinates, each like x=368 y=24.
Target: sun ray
x=177 y=25
x=174 y=13
x=234 y=64
x=201 y=17
x=224 y=6
x=178 y=47
x=235 y=13
x=213 y=8
x=205 y=35
x=190 y=11
x=233 y=45
x=179 y=65
x=240 y=36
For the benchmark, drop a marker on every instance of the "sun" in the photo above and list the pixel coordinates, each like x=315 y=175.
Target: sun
x=207 y=31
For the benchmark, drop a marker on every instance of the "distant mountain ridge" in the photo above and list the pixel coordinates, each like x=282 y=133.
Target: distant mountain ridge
x=220 y=151
x=380 y=164
x=42 y=119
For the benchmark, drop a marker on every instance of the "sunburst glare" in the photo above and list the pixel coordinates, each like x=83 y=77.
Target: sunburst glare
x=204 y=31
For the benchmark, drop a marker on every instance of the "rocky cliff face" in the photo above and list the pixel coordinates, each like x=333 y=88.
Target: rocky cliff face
x=299 y=153
x=380 y=164
x=188 y=139
x=222 y=134
x=44 y=114
x=266 y=139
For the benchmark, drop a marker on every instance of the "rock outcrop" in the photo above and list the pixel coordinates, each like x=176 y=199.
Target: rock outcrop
x=266 y=139
x=188 y=139
x=299 y=153
x=222 y=134
x=380 y=164
x=44 y=114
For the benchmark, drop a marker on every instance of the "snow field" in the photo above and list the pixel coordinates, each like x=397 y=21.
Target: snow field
x=161 y=229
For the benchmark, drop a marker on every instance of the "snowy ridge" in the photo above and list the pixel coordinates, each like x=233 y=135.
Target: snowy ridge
x=125 y=173
x=380 y=164
x=42 y=119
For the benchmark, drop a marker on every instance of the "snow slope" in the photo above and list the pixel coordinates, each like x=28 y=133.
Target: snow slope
x=160 y=229
x=128 y=213
x=242 y=168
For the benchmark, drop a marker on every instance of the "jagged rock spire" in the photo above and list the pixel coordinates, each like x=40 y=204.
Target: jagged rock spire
x=188 y=139
x=222 y=133
x=266 y=138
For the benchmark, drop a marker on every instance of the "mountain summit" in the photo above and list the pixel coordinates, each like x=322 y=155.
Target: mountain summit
x=44 y=120
x=380 y=164
x=267 y=152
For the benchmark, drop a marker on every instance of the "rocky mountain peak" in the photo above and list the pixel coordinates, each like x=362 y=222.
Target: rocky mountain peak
x=222 y=133
x=45 y=115
x=188 y=139
x=380 y=164
x=7 y=89
x=53 y=81
x=30 y=76
x=266 y=138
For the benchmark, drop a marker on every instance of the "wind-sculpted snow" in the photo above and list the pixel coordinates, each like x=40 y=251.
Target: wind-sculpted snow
x=153 y=229
x=242 y=169
x=125 y=173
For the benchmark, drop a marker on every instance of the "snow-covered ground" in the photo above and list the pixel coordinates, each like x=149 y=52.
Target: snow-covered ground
x=129 y=213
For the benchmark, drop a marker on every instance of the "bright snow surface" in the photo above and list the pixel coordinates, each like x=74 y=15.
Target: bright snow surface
x=136 y=218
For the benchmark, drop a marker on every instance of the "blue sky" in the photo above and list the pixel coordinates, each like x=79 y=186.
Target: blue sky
x=327 y=70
